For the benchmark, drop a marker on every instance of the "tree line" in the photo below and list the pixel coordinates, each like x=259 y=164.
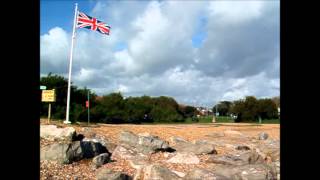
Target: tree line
x=250 y=108
x=114 y=108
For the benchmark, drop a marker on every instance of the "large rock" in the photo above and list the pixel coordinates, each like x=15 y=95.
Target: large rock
x=123 y=153
x=263 y=136
x=184 y=158
x=156 y=172
x=247 y=172
x=108 y=174
x=176 y=139
x=100 y=160
x=200 y=174
x=51 y=132
x=92 y=148
x=244 y=158
x=104 y=142
x=138 y=163
x=269 y=149
x=180 y=174
x=63 y=153
x=142 y=143
x=197 y=147
x=242 y=148
x=127 y=154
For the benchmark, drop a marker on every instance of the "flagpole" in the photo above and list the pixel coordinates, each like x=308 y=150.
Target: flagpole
x=70 y=63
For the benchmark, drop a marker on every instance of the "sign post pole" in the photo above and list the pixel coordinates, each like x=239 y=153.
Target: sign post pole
x=48 y=96
x=49 y=113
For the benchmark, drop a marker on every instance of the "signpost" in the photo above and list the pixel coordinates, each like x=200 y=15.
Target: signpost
x=48 y=96
x=43 y=87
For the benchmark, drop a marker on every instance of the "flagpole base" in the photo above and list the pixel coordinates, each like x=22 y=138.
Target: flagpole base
x=66 y=122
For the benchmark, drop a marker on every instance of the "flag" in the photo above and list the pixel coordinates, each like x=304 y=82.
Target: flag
x=85 y=21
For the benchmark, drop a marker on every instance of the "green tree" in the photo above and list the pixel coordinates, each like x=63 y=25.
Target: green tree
x=250 y=109
x=224 y=108
x=58 y=108
x=112 y=108
x=166 y=109
x=188 y=111
x=138 y=109
x=246 y=110
x=267 y=109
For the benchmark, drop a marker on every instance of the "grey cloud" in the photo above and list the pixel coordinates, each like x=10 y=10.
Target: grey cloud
x=238 y=58
x=242 y=49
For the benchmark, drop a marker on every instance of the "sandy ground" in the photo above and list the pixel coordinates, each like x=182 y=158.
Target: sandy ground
x=82 y=170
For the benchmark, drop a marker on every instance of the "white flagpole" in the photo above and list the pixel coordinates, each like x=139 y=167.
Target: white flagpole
x=70 y=63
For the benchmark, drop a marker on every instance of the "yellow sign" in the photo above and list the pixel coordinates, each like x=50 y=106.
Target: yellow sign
x=48 y=96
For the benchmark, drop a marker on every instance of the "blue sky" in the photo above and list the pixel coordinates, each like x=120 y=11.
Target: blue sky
x=198 y=52
x=60 y=13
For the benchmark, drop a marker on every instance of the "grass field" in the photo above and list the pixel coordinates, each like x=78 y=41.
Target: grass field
x=208 y=119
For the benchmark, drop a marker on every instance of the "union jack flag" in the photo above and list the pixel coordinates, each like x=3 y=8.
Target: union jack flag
x=85 y=21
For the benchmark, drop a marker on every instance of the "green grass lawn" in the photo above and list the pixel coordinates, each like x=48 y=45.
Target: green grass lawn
x=208 y=119
x=227 y=119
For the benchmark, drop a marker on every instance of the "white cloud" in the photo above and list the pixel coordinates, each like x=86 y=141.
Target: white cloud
x=235 y=11
x=239 y=56
x=54 y=50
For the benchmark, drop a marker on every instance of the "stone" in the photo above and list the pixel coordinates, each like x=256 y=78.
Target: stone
x=100 y=160
x=104 y=142
x=137 y=163
x=175 y=139
x=157 y=172
x=128 y=138
x=247 y=172
x=63 y=153
x=230 y=146
x=92 y=148
x=250 y=157
x=263 y=136
x=180 y=174
x=128 y=154
x=184 y=158
x=269 y=149
x=200 y=173
x=52 y=133
x=107 y=174
x=144 y=144
x=242 y=147
x=123 y=153
x=198 y=147
x=254 y=173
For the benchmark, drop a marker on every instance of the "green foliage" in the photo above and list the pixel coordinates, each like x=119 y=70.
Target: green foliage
x=223 y=108
x=188 y=111
x=251 y=109
x=165 y=109
x=224 y=119
x=113 y=108
x=58 y=108
x=138 y=109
